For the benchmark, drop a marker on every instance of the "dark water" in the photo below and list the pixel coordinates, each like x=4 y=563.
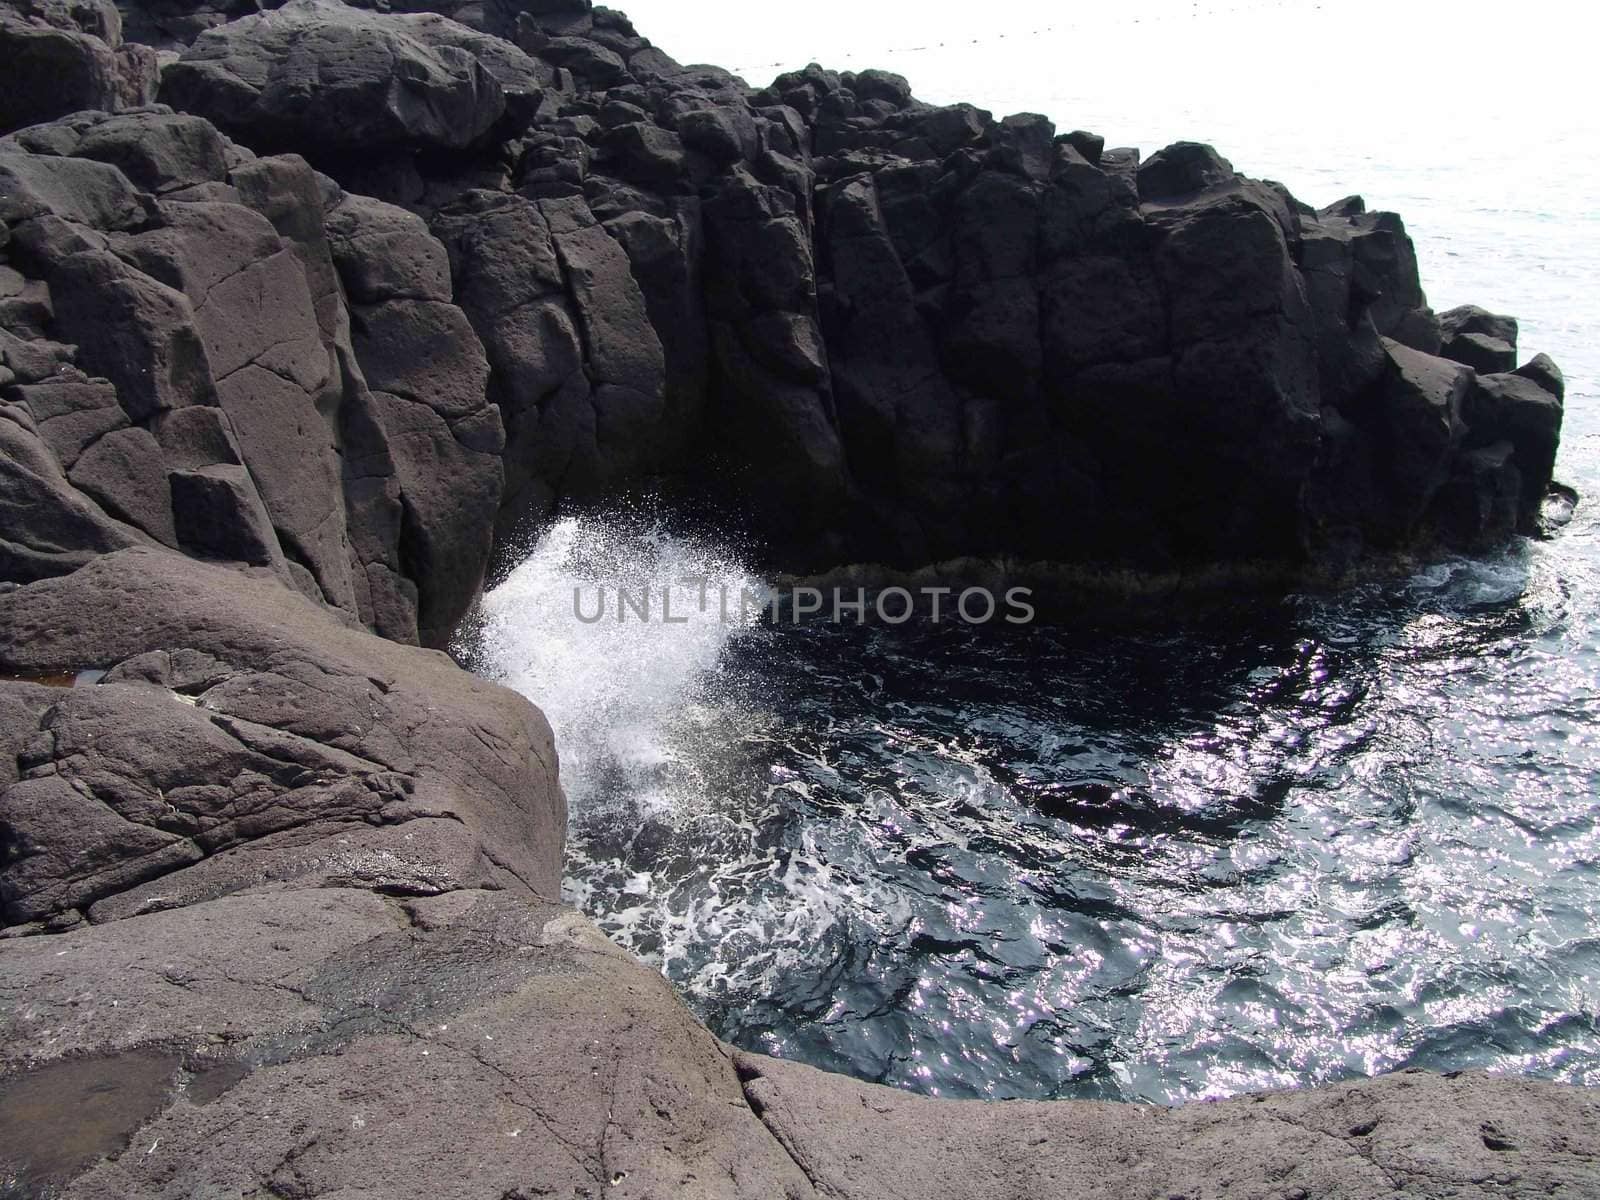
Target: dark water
x=1335 y=837
x=1332 y=838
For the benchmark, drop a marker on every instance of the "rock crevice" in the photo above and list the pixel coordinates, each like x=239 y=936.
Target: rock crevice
x=304 y=311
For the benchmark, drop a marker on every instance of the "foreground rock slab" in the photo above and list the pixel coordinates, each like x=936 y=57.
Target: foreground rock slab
x=330 y=1042
x=243 y=735
x=335 y=1042
x=1410 y=1134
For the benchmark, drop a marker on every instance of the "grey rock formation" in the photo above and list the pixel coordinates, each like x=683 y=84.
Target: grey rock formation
x=244 y=735
x=189 y=274
x=319 y=75
x=282 y=358
x=883 y=330
x=63 y=56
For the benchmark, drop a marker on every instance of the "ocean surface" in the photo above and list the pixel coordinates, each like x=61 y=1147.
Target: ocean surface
x=1329 y=838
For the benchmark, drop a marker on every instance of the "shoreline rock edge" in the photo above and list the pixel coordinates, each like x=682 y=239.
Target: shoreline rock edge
x=284 y=356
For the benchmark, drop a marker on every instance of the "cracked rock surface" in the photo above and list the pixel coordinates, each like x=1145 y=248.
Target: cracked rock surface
x=548 y=265
x=286 y=355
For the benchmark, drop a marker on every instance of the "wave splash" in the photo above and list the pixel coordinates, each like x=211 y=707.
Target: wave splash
x=627 y=694
x=682 y=842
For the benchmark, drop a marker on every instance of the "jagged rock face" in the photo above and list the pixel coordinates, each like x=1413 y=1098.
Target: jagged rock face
x=886 y=330
x=62 y=56
x=317 y=75
x=883 y=330
x=228 y=393
x=256 y=858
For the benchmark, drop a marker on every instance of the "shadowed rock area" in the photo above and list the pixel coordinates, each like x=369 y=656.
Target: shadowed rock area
x=304 y=312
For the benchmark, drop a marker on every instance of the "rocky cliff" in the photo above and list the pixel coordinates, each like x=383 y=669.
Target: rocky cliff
x=548 y=263
x=302 y=312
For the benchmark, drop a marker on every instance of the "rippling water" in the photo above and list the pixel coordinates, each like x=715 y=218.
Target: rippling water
x=1337 y=837
x=1334 y=837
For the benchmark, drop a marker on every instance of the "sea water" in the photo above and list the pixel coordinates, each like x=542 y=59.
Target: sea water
x=1331 y=837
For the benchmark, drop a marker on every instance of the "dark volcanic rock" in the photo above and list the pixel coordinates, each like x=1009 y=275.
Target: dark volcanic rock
x=1482 y=340
x=159 y=151
x=887 y=330
x=224 y=295
x=819 y=298
x=51 y=72
x=319 y=76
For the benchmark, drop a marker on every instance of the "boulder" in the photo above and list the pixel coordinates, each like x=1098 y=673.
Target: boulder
x=158 y=151
x=39 y=243
x=1182 y=169
x=320 y=77
x=1089 y=145
x=1469 y=319
x=647 y=154
x=51 y=72
x=717 y=133
x=138 y=333
x=1481 y=352
x=71 y=189
x=386 y=253
x=1027 y=145
x=1518 y=410
x=1541 y=368
x=592 y=63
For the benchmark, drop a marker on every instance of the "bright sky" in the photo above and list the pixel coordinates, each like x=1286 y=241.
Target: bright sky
x=1415 y=62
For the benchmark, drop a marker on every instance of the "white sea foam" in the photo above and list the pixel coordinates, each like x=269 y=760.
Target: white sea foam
x=665 y=749
x=628 y=698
